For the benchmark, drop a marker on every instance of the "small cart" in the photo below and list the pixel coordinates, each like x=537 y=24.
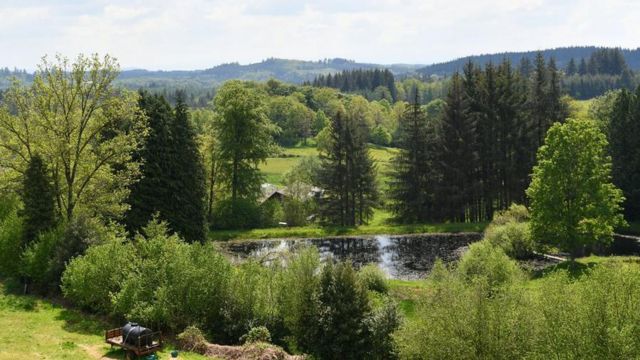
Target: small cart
x=114 y=337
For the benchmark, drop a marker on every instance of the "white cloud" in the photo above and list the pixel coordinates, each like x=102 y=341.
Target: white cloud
x=201 y=33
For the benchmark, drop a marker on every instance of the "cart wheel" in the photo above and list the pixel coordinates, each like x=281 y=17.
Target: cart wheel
x=130 y=355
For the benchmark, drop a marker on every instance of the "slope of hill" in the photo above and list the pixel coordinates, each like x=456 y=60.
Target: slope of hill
x=561 y=55
x=293 y=71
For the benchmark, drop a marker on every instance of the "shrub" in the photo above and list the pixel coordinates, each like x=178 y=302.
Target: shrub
x=512 y=237
x=372 y=278
x=11 y=240
x=256 y=334
x=515 y=213
x=192 y=339
x=510 y=231
x=488 y=262
x=381 y=324
x=239 y=215
x=271 y=213
x=91 y=280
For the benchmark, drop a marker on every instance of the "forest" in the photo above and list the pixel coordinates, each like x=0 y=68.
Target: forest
x=112 y=201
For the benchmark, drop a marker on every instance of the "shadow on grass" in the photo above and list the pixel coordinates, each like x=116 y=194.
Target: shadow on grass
x=573 y=268
x=81 y=323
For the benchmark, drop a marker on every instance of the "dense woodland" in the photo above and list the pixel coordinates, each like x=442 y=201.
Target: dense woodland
x=98 y=179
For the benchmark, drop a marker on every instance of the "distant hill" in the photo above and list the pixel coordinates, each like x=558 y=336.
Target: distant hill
x=561 y=55
x=293 y=71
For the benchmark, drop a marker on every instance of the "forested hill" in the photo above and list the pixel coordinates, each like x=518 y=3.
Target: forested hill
x=293 y=71
x=561 y=55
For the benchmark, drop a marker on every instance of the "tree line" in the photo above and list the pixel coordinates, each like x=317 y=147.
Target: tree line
x=477 y=156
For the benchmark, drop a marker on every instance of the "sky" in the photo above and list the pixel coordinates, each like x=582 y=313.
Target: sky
x=198 y=34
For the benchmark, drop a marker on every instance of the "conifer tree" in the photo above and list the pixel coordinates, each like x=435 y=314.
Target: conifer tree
x=624 y=132
x=344 y=306
x=538 y=101
x=38 y=198
x=152 y=193
x=187 y=214
x=457 y=158
x=412 y=178
x=347 y=172
x=582 y=69
x=572 y=69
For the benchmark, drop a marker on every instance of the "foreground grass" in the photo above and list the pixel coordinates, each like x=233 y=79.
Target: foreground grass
x=33 y=328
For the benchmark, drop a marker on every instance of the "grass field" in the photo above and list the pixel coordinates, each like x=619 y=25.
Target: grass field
x=33 y=328
x=275 y=167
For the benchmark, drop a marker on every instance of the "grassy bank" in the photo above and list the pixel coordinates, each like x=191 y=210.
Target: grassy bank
x=317 y=231
x=33 y=328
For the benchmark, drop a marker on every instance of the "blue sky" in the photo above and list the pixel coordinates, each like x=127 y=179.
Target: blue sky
x=195 y=34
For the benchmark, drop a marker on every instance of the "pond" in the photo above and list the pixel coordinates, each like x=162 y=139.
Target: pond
x=404 y=257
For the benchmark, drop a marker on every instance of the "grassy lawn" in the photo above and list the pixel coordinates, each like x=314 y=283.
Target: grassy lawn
x=317 y=231
x=37 y=329
x=275 y=167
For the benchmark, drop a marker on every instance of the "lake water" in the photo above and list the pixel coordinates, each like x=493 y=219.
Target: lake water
x=406 y=257
x=400 y=257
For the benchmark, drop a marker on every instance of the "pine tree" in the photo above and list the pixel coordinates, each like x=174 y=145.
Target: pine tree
x=153 y=193
x=344 y=306
x=411 y=185
x=457 y=158
x=538 y=101
x=347 y=172
x=572 y=69
x=582 y=69
x=187 y=216
x=624 y=132
x=38 y=198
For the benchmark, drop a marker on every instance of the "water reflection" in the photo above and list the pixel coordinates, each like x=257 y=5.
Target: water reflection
x=405 y=257
x=400 y=257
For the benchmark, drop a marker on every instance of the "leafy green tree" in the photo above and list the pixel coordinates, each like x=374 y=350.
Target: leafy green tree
x=38 y=199
x=245 y=139
x=84 y=128
x=573 y=202
x=572 y=68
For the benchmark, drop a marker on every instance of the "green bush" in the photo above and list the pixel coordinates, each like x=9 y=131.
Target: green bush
x=515 y=213
x=372 y=278
x=242 y=214
x=91 y=280
x=513 y=237
x=256 y=334
x=510 y=231
x=594 y=316
x=271 y=213
x=11 y=240
x=488 y=262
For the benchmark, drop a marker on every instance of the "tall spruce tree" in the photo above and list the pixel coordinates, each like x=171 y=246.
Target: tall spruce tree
x=538 y=101
x=152 y=194
x=457 y=158
x=572 y=68
x=38 y=198
x=187 y=212
x=412 y=177
x=347 y=172
x=172 y=183
x=624 y=132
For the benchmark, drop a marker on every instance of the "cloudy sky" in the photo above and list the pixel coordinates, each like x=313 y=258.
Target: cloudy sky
x=195 y=34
